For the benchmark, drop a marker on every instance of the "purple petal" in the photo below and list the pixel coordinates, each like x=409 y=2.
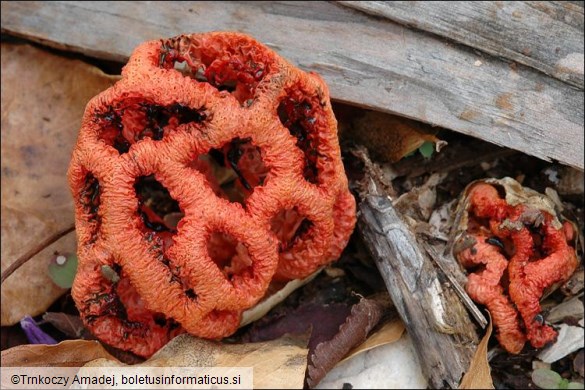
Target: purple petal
x=34 y=334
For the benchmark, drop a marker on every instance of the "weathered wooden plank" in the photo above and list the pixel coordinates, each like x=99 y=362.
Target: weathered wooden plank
x=545 y=35
x=367 y=61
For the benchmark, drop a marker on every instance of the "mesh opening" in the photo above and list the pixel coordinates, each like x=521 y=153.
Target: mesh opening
x=131 y=121
x=290 y=227
x=90 y=200
x=157 y=209
x=234 y=170
x=230 y=255
x=300 y=119
x=237 y=71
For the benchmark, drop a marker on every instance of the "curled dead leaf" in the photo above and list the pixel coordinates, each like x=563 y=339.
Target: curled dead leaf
x=70 y=325
x=389 y=333
x=479 y=374
x=363 y=318
x=389 y=138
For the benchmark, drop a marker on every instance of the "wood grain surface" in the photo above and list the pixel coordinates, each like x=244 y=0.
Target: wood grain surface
x=366 y=60
x=545 y=35
x=441 y=330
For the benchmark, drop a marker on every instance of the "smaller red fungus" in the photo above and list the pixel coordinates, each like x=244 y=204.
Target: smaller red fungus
x=532 y=273
x=485 y=288
x=539 y=257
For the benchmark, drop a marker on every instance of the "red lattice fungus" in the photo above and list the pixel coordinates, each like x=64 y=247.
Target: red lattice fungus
x=211 y=168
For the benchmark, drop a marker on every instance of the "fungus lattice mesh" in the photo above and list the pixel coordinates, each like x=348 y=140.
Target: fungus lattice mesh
x=184 y=107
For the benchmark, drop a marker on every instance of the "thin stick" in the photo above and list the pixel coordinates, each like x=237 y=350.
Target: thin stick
x=460 y=291
x=29 y=255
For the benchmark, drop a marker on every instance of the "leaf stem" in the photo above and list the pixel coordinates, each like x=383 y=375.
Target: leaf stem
x=31 y=253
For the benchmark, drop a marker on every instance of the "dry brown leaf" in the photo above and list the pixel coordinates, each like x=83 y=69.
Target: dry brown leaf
x=69 y=353
x=277 y=364
x=479 y=374
x=365 y=315
x=389 y=333
x=388 y=138
x=43 y=99
x=68 y=324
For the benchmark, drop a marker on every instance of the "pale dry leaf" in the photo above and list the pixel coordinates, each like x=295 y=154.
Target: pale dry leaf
x=389 y=366
x=277 y=364
x=43 y=99
x=573 y=308
x=69 y=353
x=575 y=284
x=274 y=298
x=389 y=333
x=518 y=194
x=479 y=374
x=419 y=202
x=572 y=182
x=569 y=340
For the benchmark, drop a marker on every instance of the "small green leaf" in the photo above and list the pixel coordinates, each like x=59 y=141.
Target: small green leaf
x=62 y=270
x=574 y=385
x=427 y=149
x=546 y=379
x=109 y=273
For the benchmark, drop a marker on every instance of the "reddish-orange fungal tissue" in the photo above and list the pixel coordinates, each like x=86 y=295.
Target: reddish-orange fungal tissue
x=211 y=168
x=520 y=254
